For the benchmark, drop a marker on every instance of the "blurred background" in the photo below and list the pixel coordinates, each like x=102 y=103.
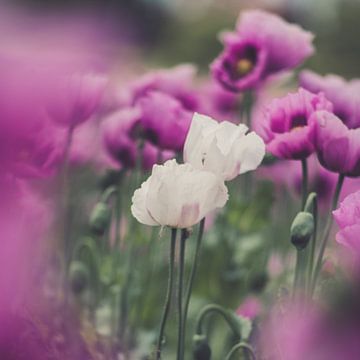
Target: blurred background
x=167 y=32
x=131 y=37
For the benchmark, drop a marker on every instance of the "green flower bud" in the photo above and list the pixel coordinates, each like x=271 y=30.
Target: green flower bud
x=100 y=218
x=79 y=277
x=301 y=229
x=202 y=349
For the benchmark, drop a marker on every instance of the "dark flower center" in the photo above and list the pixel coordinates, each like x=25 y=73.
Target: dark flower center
x=246 y=61
x=298 y=121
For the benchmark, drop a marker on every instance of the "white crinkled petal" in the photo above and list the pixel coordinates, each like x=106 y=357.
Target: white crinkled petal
x=139 y=207
x=199 y=129
x=227 y=133
x=178 y=195
x=250 y=152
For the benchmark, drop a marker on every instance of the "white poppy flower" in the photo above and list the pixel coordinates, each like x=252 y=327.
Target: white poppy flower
x=177 y=195
x=223 y=148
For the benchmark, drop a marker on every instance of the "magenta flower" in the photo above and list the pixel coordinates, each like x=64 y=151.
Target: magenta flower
x=337 y=146
x=176 y=82
x=117 y=130
x=294 y=332
x=250 y=308
x=164 y=120
x=285 y=124
x=76 y=98
x=262 y=45
x=343 y=95
x=119 y=138
x=347 y=217
x=220 y=103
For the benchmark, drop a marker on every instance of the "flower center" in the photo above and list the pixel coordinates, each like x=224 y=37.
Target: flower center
x=298 y=121
x=246 y=61
x=243 y=67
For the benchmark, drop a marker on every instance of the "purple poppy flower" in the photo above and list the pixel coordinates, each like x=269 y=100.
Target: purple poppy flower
x=285 y=124
x=262 y=45
x=164 y=120
x=250 y=308
x=337 y=146
x=176 y=82
x=76 y=98
x=307 y=331
x=347 y=217
x=119 y=132
x=117 y=138
x=220 y=103
x=343 y=95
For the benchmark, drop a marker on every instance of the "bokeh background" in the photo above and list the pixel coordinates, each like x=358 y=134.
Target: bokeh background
x=166 y=32
x=134 y=36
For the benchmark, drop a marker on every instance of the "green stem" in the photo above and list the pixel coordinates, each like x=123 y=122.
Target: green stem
x=168 y=294
x=327 y=231
x=117 y=217
x=192 y=273
x=239 y=346
x=247 y=104
x=297 y=273
x=298 y=277
x=304 y=186
x=124 y=297
x=180 y=349
x=312 y=205
x=67 y=211
x=212 y=308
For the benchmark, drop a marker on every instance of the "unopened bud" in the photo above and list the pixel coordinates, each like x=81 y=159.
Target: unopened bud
x=100 y=218
x=301 y=229
x=79 y=277
x=202 y=349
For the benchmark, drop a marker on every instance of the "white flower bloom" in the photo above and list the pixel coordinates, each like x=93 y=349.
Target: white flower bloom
x=222 y=148
x=177 y=195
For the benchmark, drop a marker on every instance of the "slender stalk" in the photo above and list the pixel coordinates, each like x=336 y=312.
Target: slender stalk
x=327 y=231
x=304 y=186
x=244 y=346
x=312 y=205
x=168 y=294
x=118 y=216
x=212 y=308
x=298 y=277
x=180 y=349
x=124 y=293
x=66 y=214
x=297 y=273
x=192 y=273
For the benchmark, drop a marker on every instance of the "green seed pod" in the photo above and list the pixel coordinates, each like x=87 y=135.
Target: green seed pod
x=100 y=218
x=79 y=277
x=202 y=349
x=301 y=229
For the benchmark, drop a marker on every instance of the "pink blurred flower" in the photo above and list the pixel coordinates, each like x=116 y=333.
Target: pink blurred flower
x=219 y=103
x=119 y=138
x=250 y=308
x=285 y=124
x=347 y=217
x=337 y=146
x=307 y=331
x=76 y=98
x=176 y=82
x=343 y=95
x=252 y=54
x=164 y=120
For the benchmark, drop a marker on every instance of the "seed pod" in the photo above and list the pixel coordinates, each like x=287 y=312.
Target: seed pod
x=100 y=218
x=202 y=349
x=79 y=277
x=301 y=229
